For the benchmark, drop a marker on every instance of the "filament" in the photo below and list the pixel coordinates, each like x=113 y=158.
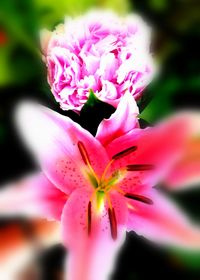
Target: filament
x=86 y=159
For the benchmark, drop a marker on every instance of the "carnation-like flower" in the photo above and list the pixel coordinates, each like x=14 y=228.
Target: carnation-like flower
x=98 y=51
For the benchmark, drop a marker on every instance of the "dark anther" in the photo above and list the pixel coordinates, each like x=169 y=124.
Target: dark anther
x=113 y=223
x=140 y=167
x=140 y=198
x=125 y=152
x=89 y=217
x=83 y=152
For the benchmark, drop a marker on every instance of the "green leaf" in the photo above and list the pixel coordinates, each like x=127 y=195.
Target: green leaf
x=189 y=259
x=92 y=100
x=93 y=112
x=160 y=105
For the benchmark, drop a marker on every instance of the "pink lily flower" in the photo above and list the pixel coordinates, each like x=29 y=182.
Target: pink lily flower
x=100 y=187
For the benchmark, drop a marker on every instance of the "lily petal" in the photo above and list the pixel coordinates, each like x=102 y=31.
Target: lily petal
x=186 y=171
x=91 y=257
x=54 y=140
x=34 y=196
x=123 y=120
x=162 y=222
x=158 y=147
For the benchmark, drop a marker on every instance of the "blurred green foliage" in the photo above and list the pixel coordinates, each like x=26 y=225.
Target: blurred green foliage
x=18 y=23
x=21 y=21
x=51 y=12
x=176 y=46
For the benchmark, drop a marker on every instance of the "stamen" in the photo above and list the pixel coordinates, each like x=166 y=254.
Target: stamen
x=112 y=219
x=139 y=167
x=89 y=217
x=113 y=223
x=118 y=156
x=83 y=153
x=106 y=170
x=140 y=198
x=124 y=152
x=86 y=159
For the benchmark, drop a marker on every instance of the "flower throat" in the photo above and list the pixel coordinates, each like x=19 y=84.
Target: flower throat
x=103 y=185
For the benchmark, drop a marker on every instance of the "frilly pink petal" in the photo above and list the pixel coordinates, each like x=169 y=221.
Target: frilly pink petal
x=114 y=50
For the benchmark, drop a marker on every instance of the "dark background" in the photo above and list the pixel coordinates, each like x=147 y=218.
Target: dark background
x=176 y=46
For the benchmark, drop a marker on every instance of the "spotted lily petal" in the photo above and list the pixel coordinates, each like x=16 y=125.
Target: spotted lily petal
x=54 y=139
x=155 y=147
x=91 y=255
